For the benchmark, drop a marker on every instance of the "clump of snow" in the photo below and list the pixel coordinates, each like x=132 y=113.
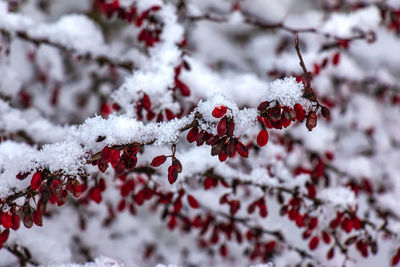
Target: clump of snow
x=32 y=123
x=14 y=157
x=98 y=262
x=74 y=30
x=286 y=91
x=346 y=25
x=340 y=196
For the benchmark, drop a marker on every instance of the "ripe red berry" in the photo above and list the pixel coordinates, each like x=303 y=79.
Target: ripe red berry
x=172 y=174
x=300 y=114
x=95 y=195
x=219 y=111
x=102 y=165
x=234 y=206
x=313 y=243
x=6 y=220
x=336 y=58
x=263 y=106
x=146 y=102
x=222 y=156
x=170 y=115
x=326 y=237
x=192 y=202
x=37 y=218
x=105 y=154
x=242 y=150
x=221 y=127
x=157 y=161
x=15 y=222
x=185 y=91
x=270 y=246
x=4 y=236
x=311 y=191
x=114 y=157
x=208 y=183
x=396 y=258
x=223 y=250
x=36 y=181
x=330 y=253
x=262 y=138
x=192 y=134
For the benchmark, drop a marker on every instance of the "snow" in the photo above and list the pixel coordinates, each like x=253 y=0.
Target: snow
x=98 y=262
x=347 y=25
x=286 y=91
x=342 y=196
x=230 y=65
x=32 y=123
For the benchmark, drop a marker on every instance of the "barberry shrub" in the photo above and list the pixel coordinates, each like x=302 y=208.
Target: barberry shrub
x=199 y=133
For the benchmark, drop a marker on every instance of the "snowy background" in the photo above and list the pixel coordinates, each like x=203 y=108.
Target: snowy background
x=77 y=76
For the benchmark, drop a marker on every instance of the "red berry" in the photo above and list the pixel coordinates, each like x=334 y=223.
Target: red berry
x=102 y=165
x=311 y=191
x=222 y=156
x=157 y=161
x=15 y=221
x=105 y=154
x=37 y=218
x=208 y=183
x=326 y=237
x=300 y=114
x=242 y=150
x=219 y=112
x=223 y=250
x=262 y=138
x=330 y=253
x=6 y=220
x=192 y=134
x=192 y=202
x=336 y=58
x=146 y=102
x=234 y=206
x=170 y=115
x=185 y=91
x=172 y=174
x=28 y=220
x=221 y=127
x=270 y=246
x=313 y=243
x=396 y=259
x=95 y=195
x=36 y=181
x=4 y=236
x=114 y=157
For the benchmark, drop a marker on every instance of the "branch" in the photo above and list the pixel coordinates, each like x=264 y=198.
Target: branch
x=100 y=59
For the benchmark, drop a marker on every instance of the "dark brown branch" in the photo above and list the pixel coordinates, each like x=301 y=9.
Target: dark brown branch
x=22 y=253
